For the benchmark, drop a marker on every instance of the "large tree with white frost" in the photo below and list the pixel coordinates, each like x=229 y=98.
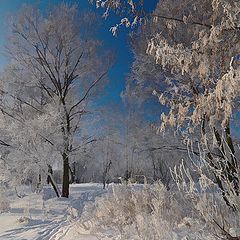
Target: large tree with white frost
x=197 y=47
x=54 y=70
x=189 y=56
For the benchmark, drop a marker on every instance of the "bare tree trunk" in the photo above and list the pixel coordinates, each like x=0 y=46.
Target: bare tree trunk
x=233 y=165
x=72 y=172
x=72 y=176
x=65 y=184
x=54 y=185
x=105 y=173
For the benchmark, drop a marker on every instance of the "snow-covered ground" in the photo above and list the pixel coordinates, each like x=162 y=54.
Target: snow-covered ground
x=44 y=217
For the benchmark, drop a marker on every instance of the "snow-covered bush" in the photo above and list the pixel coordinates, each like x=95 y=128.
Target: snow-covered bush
x=218 y=208
x=149 y=212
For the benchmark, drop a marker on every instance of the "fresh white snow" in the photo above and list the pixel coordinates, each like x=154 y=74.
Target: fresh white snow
x=42 y=216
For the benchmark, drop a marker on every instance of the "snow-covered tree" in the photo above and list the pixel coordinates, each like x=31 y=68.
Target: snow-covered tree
x=200 y=66
x=201 y=72
x=54 y=69
x=188 y=54
x=132 y=12
x=28 y=123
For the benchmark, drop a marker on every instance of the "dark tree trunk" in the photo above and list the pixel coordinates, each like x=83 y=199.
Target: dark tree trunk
x=71 y=177
x=65 y=184
x=104 y=181
x=72 y=171
x=54 y=185
x=105 y=173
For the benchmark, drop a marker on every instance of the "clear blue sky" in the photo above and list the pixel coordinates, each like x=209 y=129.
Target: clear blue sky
x=119 y=44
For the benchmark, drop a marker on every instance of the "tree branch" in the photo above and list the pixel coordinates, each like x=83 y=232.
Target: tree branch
x=181 y=20
x=88 y=91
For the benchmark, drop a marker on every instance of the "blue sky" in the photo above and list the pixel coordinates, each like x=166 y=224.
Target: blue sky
x=118 y=44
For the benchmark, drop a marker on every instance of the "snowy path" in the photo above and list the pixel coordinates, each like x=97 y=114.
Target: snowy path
x=52 y=219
